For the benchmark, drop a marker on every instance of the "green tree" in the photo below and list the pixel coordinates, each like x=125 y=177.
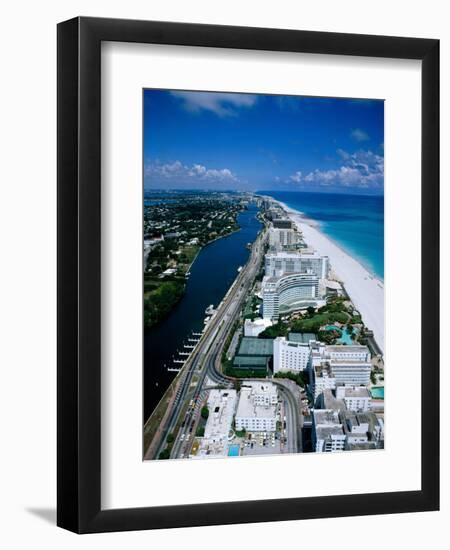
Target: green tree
x=165 y=454
x=204 y=412
x=310 y=310
x=279 y=329
x=170 y=438
x=200 y=431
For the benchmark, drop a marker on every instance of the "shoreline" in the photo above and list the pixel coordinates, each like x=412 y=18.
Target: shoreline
x=364 y=288
x=317 y=225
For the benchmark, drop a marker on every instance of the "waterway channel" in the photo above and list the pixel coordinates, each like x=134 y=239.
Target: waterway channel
x=211 y=275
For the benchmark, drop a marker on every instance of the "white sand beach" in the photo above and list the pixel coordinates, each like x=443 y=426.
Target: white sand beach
x=364 y=289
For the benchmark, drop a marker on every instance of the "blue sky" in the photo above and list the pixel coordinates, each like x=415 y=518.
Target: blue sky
x=207 y=140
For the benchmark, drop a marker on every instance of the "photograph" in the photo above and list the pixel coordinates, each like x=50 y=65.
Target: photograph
x=263 y=274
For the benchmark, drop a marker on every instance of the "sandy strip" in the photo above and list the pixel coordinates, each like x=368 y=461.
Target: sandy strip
x=364 y=289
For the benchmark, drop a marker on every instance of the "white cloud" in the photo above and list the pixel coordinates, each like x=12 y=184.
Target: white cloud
x=363 y=169
x=297 y=177
x=359 y=135
x=157 y=173
x=222 y=104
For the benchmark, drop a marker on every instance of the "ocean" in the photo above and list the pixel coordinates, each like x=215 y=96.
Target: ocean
x=354 y=222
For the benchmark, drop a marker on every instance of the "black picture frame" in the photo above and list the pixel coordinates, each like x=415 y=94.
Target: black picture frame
x=79 y=280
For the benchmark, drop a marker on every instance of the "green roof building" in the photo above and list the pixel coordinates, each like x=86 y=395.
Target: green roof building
x=301 y=337
x=254 y=354
x=256 y=346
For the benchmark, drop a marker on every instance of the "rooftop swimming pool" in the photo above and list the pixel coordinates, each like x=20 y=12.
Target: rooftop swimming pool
x=233 y=450
x=377 y=392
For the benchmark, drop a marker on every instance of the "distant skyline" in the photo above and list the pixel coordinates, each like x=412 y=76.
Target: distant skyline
x=229 y=141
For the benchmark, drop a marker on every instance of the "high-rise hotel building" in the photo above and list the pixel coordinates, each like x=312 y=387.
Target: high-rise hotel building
x=304 y=261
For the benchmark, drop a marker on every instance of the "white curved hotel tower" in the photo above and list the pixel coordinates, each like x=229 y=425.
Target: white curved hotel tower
x=289 y=293
x=292 y=277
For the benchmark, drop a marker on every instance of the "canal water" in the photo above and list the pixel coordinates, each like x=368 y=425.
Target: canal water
x=212 y=273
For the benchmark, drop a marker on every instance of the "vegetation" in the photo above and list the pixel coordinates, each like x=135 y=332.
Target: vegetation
x=240 y=433
x=335 y=311
x=373 y=377
x=170 y=438
x=160 y=301
x=204 y=412
x=279 y=329
x=165 y=454
x=176 y=227
x=300 y=378
x=244 y=373
x=328 y=336
x=251 y=307
x=227 y=363
x=200 y=431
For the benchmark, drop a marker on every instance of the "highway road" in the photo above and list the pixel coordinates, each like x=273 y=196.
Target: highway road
x=203 y=358
x=205 y=362
x=293 y=428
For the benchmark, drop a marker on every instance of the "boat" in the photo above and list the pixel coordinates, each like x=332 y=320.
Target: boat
x=210 y=309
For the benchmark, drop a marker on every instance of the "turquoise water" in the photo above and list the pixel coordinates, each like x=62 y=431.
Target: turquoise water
x=377 y=392
x=333 y=327
x=355 y=222
x=233 y=450
x=345 y=337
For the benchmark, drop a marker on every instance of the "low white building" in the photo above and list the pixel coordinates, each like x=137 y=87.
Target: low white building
x=322 y=379
x=290 y=356
x=254 y=328
x=328 y=432
x=349 y=364
x=342 y=353
x=221 y=405
x=351 y=372
x=356 y=398
x=257 y=407
x=362 y=428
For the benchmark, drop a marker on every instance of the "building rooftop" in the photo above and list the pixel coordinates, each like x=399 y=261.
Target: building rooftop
x=256 y=361
x=247 y=408
x=344 y=362
x=366 y=446
x=221 y=405
x=331 y=402
x=309 y=252
x=326 y=417
x=258 y=322
x=323 y=432
x=255 y=346
x=354 y=391
x=347 y=349
x=324 y=370
x=302 y=337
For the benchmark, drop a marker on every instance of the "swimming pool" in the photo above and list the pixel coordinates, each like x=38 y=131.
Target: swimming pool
x=233 y=450
x=377 y=392
x=345 y=335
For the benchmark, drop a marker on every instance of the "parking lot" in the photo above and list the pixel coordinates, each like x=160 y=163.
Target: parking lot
x=261 y=443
